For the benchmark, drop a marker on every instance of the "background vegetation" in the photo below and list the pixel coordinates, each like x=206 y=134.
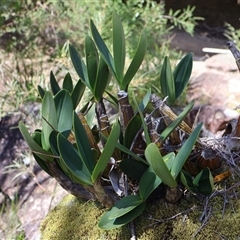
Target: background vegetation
x=33 y=32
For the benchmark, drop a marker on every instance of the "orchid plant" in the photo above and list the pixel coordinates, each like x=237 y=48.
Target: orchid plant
x=85 y=155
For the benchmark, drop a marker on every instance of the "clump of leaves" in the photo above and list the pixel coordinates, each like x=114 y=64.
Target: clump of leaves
x=135 y=148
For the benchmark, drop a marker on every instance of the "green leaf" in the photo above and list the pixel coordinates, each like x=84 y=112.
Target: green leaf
x=107 y=152
x=35 y=147
x=64 y=108
x=90 y=115
x=67 y=83
x=145 y=128
x=103 y=48
x=145 y=100
x=167 y=81
x=36 y=136
x=118 y=47
x=107 y=224
x=124 y=206
x=130 y=153
x=77 y=93
x=204 y=182
x=136 y=62
x=83 y=144
x=155 y=160
x=79 y=65
x=102 y=80
x=169 y=160
x=41 y=91
x=184 y=152
x=49 y=119
x=131 y=130
x=133 y=168
x=114 y=99
x=54 y=84
x=187 y=181
x=167 y=131
x=148 y=183
x=87 y=105
x=72 y=161
x=91 y=61
x=54 y=147
x=182 y=74
x=42 y=164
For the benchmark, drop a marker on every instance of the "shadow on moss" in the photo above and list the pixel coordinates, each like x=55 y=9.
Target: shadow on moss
x=75 y=219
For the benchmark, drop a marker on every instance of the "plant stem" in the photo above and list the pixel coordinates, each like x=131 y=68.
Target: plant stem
x=66 y=183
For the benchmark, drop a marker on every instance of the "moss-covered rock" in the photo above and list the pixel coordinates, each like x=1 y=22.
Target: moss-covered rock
x=75 y=219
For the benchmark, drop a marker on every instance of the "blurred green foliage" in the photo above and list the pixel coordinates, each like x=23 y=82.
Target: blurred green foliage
x=32 y=25
x=233 y=34
x=34 y=29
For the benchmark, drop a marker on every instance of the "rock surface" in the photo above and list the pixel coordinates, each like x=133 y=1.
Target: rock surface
x=160 y=220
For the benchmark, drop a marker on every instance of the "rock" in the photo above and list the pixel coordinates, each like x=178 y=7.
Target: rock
x=33 y=189
x=215 y=82
x=36 y=201
x=222 y=62
x=71 y=220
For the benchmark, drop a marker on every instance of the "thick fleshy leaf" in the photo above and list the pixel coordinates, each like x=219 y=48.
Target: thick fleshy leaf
x=167 y=131
x=187 y=181
x=182 y=74
x=102 y=48
x=102 y=80
x=42 y=164
x=130 y=153
x=184 y=152
x=67 y=83
x=64 y=108
x=124 y=206
x=91 y=114
x=144 y=125
x=167 y=81
x=158 y=165
x=107 y=152
x=77 y=93
x=204 y=182
x=133 y=168
x=148 y=183
x=118 y=47
x=91 y=61
x=34 y=146
x=145 y=100
x=131 y=130
x=87 y=105
x=73 y=161
x=136 y=62
x=62 y=164
x=113 y=98
x=41 y=91
x=83 y=144
x=169 y=160
x=107 y=223
x=54 y=147
x=49 y=119
x=79 y=65
x=54 y=84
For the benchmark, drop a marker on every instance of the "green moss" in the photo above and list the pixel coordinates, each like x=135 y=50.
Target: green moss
x=75 y=219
